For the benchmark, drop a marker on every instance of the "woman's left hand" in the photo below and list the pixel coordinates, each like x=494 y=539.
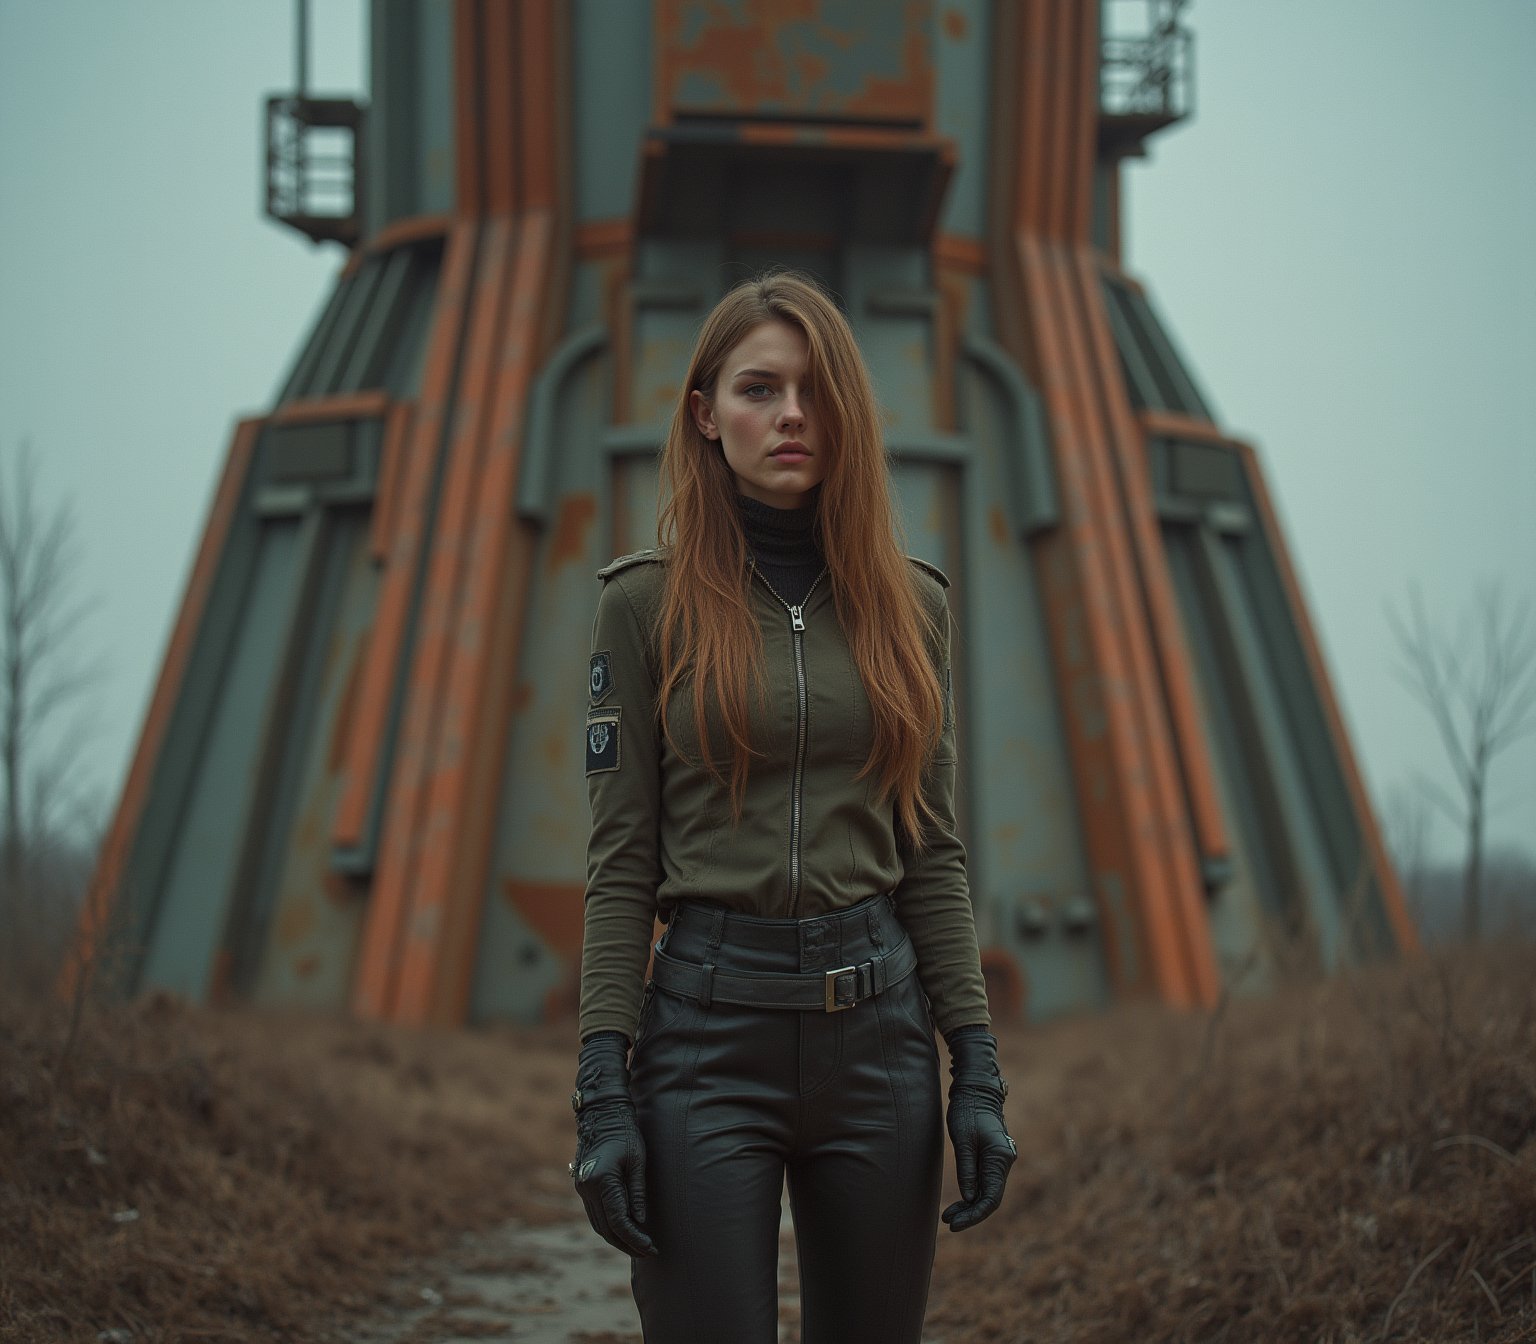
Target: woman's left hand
x=983 y=1150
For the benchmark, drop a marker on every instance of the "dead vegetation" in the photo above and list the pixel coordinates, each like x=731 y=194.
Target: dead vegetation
x=193 y=1174
x=1351 y=1160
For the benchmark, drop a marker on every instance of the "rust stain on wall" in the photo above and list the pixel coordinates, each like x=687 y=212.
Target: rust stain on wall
x=576 y=515
x=780 y=56
x=341 y=729
x=553 y=910
x=295 y=922
x=954 y=24
x=997 y=525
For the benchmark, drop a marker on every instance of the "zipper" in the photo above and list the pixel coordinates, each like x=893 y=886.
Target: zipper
x=802 y=713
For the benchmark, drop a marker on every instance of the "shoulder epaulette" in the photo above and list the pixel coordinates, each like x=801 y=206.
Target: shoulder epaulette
x=653 y=556
x=937 y=573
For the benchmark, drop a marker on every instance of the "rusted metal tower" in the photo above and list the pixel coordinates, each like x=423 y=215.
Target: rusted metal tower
x=359 y=780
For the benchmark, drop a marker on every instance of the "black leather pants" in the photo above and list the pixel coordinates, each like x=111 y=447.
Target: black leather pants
x=731 y=1098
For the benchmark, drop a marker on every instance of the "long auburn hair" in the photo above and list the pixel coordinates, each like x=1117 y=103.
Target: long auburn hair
x=707 y=630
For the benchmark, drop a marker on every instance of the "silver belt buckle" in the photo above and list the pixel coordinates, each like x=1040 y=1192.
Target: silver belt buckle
x=833 y=1006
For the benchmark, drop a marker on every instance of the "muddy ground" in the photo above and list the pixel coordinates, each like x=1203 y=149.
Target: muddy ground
x=1351 y=1160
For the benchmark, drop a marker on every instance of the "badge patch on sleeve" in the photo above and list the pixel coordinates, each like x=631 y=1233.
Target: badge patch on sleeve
x=602 y=740
x=601 y=676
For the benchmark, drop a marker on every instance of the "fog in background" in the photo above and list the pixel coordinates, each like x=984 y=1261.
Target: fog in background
x=1340 y=238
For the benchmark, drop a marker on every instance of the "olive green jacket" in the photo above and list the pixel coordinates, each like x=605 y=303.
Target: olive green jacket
x=812 y=837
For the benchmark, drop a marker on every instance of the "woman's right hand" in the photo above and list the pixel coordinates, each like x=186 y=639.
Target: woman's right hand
x=609 y=1167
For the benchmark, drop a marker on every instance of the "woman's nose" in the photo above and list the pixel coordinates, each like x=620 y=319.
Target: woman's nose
x=790 y=412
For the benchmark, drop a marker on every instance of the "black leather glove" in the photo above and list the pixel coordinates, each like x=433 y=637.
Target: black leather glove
x=609 y=1167
x=983 y=1150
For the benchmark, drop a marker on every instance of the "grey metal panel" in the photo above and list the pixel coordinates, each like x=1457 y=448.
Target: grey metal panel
x=305 y=919
x=1140 y=380
x=1309 y=891
x=302 y=375
x=196 y=884
x=1106 y=177
x=434 y=147
x=326 y=375
x=142 y=888
x=532 y=910
x=1174 y=378
x=389 y=146
x=402 y=371
x=1323 y=797
x=307 y=452
x=962 y=94
x=891 y=307
x=1249 y=901
x=1028 y=866
x=1229 y=731
x=611 y=92
x=380 y=324
x=409 y=145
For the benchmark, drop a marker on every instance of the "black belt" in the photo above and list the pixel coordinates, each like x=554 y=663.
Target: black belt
x=831 y=991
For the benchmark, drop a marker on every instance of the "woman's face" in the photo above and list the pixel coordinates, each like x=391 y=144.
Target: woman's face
x=763 y=416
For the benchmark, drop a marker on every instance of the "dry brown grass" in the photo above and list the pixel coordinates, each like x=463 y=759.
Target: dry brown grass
x=194 y=1174
x=1353 y=1160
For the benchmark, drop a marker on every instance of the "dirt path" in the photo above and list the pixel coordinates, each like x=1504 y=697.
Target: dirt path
x=553 y=1282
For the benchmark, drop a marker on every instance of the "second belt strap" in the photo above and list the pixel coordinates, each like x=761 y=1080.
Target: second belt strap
x=826 y=991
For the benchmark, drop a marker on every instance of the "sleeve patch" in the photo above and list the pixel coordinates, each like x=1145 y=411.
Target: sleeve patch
x=602 y=740
x=600 y=676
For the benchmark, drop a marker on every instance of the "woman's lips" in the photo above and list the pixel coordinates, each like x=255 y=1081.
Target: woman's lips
x=789 y=452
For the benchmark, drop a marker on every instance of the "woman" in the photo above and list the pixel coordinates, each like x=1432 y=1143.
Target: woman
x=770 y=762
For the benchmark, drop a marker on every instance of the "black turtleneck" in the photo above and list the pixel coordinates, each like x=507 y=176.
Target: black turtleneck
x=783 y=544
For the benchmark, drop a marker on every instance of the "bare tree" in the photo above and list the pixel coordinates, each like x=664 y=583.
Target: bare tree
x=1479 y=690
x=1405 y=823
x=39 y=677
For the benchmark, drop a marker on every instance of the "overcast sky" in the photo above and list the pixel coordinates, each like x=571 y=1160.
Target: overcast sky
x=1341 y=239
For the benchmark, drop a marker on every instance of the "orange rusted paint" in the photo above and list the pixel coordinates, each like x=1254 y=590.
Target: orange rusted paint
x=1163 y=677
x=745 y=54
x=469 y=187
x=1166 y=867
x=479 y=580
x=572 y=524
x=343 y=406
x=1078 y=221
x=1123 y=764
x=341 y=728
x=101 y=896
x=419 y=833
x=372 y=979
x=339 y=889
x=553 y=910
x=295 y=922
x=954 y=252
x=496 y=129
x=997 y=525
x=955 y=25
x=1381 y=865
x=392 y=471
x=1176 y=674
x=1173 y=425
x=602 y=238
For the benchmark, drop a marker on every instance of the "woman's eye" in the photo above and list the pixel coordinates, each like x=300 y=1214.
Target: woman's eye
x=757 y=388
